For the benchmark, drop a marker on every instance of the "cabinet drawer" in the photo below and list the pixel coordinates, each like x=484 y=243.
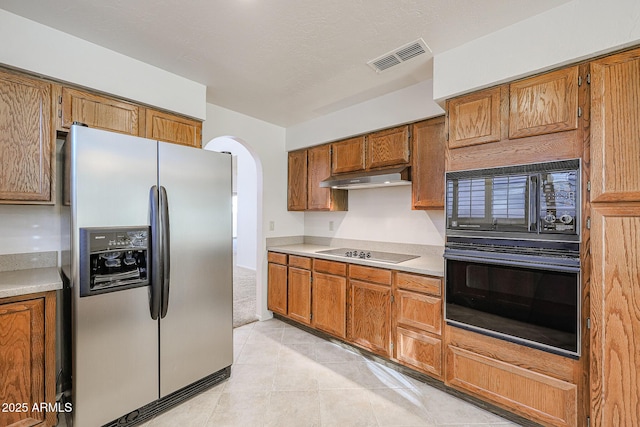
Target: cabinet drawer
x=330 y=267
x=300 y=262
x=420 y=351
x=419 y=311
x=534 y=395
x=412 y=282
x=277 y=258
x=368 y=274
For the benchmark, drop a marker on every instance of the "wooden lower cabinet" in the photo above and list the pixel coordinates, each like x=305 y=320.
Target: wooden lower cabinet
x=27 y=359
x=277 y=288
x=421 y=351
x=370 y=316
x=536 y=385
x=330 y=304
x=299 y=295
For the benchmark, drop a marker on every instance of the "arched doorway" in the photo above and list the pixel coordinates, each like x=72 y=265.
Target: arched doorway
x=247 y=204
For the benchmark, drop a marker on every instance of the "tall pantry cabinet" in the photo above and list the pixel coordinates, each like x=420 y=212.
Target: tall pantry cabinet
x=615 y=240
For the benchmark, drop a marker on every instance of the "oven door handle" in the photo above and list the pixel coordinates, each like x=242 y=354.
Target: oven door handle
x=524 y=261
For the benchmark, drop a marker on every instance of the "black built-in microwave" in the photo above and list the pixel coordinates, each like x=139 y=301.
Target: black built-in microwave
x=540 y=199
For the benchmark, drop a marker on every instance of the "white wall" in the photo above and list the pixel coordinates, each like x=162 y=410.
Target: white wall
x=267 y=143
x=33 y=47
x=246 y=188
x=406 y=105
x=568 y=33
x=380 y=214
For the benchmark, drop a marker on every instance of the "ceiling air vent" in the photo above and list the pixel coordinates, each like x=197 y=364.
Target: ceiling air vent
x=399 y=55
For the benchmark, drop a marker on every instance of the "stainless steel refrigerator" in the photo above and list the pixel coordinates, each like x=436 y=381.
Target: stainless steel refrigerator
x=147 y=258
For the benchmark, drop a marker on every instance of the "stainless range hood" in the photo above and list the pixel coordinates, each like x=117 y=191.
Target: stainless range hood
x=369 y=179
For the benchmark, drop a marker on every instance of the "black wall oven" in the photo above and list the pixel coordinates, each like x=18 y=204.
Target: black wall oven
x=512 y=255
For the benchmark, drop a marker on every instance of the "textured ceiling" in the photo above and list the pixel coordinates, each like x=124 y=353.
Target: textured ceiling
x=282 y=61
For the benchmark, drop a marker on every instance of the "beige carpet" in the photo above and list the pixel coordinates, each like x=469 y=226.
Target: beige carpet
x=244 y=296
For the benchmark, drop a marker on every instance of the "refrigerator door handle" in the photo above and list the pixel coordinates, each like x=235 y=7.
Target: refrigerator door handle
x=155 y=290
x=166 y=252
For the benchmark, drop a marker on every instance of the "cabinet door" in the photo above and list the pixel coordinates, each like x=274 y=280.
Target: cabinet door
x=330 y=304
x=615 y=128
x=169 y=127
x=297 y=181
x=370 y=316
x=22 y=360
x=544 y=104
x=615 y=315
x=419 y=311
x=420 y=351
x=388 y=148
x=319 y=169
x=101 y=112
x=348 y=155
x=427 y=173
x=475 y=118
x=277 y=289
x=26 y=146
x=299 y=301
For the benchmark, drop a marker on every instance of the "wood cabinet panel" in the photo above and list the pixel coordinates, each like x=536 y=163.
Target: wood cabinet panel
x=277 y=288
x=536 y=396
x=27 y=149
x=414 y=282
x=370 y=316
x=428 y=162
x=330 y=304
x=300 y=262
x=100 y=112
x=615 y=314
x=299 y=295
x=544 y=104
x=370 y=274
x=330 y=267
x=419 y=311
x=319 y=169
x=420 y=351
x=615 y=128
x=348 y=155
x=475 y=118
x=388 y=147
x=297 y=181
x=169 y=127
x=277 y=258
x=27 y=358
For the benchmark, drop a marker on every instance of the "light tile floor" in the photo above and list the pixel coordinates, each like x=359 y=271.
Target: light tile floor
x=283 y=376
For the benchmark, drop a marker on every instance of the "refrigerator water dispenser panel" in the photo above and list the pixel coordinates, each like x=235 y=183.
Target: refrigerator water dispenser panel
x=113 y=259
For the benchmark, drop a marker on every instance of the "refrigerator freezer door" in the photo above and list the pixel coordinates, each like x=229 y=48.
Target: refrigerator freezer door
x=196 y=333
x=115 y=341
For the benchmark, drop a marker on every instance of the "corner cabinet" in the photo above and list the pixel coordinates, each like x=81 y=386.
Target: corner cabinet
x=307 y=168
x=27 y=359
x=27 y=148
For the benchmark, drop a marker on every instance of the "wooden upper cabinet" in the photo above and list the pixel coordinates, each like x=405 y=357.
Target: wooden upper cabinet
x=26 y=147
x=428 y=160
x=544 y=104
x=388 y=147
x=297 y=181
x=348 y=155
x=169 y=127
x=475 y=118
x=319 y=169
x=615 y=127
x=100 y=112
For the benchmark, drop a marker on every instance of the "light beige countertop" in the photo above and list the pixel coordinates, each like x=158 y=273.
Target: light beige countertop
x=429 y=264
x=29 y=281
